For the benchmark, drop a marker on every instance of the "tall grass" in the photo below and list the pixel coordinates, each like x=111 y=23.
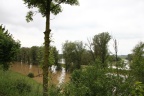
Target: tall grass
x=15 y=84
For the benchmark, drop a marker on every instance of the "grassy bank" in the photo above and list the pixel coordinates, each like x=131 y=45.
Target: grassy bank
x=15 y=84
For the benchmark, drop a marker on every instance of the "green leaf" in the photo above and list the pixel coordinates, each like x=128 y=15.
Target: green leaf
x=29 y=16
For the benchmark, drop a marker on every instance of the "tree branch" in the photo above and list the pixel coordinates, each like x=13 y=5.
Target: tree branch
x=90 y=47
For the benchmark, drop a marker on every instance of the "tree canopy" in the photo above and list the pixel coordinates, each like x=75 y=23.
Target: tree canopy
x=8 y=48
x=100 y=43
x=73 y=53
x=43 y=8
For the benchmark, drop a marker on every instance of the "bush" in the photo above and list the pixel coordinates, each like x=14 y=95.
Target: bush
x=93 y=81
x=31 y=75
x=15 y=84
x=22 y=86
x=54 y=90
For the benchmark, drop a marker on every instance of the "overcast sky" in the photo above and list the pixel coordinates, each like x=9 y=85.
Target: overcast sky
x=123 y=19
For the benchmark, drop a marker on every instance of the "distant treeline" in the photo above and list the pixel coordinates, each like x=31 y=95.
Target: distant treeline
x=74 y=54
x=34 y=55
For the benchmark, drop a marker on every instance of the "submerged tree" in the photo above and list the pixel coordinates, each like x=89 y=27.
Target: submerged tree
x=73 y=54
x=100 y=43
x=69 y=55
x=46 y=7
x=34 y=54
x=24 y=54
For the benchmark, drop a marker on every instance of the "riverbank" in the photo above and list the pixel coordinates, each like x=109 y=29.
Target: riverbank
x=15 y=84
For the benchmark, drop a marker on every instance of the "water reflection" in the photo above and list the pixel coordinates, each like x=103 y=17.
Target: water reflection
x=53 y=69
x=62 y=76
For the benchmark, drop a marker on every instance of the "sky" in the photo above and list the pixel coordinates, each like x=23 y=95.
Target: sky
x=123 y=19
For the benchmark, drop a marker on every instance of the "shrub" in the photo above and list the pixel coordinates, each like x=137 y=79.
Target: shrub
x=31 y=75
x=22 y=86
x=93 y=81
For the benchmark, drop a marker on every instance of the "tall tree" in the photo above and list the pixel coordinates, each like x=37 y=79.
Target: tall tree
x=100 y=43
x=25 y=55
x=73 y=53
x=8 y=48
x=116 y=57
x=69 y=54
x=87 y=57
x=34 y=54
x=79 y=50
x=46 y=7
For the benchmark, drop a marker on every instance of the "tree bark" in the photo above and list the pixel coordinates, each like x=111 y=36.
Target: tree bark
x=46 y=50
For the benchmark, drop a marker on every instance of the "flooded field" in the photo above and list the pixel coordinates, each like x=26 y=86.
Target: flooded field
x=56 y=77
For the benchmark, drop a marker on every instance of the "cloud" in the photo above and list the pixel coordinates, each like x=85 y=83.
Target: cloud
x=123 y=19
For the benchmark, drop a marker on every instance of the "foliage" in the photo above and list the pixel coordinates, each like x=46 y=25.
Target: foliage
x=51 y=56
x=56 y=58
x=42 y=6
x=8 y=48
x=138 y=89
x=54 y=90
x=73 y=52
x=93 y=81
x=137 y=65
x=68 y=54
x=86 y=57
x=22 y=86
x=23 y=55
x=79 y=50
x=111 y=58
x=34 y=54
x=40 y=55
x=100 y=43
x=129 y=57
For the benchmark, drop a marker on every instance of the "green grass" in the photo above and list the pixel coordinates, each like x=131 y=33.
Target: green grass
x=15 y=84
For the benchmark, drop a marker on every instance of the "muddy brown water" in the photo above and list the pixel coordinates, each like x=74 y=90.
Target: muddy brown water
x=57 y=77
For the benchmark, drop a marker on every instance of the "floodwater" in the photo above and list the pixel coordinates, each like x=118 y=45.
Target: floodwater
x=56 y=77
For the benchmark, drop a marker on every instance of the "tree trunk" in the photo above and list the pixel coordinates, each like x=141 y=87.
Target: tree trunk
x=46 y=51
x=46 y=64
